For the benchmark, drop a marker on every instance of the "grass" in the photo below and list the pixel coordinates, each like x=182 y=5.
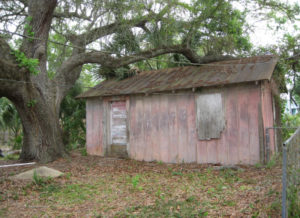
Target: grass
x=187 y=208
x=3 y=211
x=10 y=157
x=93 y=186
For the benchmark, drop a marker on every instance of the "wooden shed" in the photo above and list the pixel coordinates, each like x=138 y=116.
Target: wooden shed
x=214 y=113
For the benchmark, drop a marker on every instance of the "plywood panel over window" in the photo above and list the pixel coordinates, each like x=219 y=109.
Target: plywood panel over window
x=118 y=123
x=210 y=120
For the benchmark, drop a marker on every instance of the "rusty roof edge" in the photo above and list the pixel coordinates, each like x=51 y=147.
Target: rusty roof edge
x=171 y=90
x=90 y=93
x=274 y=61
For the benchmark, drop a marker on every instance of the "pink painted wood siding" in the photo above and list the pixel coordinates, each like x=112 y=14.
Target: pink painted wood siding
x=163 y=128
x=268 y=113
x=94 y=127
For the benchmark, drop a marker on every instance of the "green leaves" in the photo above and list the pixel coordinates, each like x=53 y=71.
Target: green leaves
x=28 y=28
x=30 y=63
x=31 y=103
x=9 y=119
x=72 y=114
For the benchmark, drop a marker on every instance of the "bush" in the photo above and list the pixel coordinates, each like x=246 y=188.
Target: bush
x=289 y=121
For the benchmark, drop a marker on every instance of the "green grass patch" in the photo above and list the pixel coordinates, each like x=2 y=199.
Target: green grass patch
x=83 y=151
x=10 y=157
x=294 y=202
x=71 y=193
x=3 y=212
x=188 y=208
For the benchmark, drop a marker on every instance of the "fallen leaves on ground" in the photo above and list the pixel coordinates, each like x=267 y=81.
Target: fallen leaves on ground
x=108 y=187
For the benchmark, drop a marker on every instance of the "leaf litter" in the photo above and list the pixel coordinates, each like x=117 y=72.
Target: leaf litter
x=109 y=187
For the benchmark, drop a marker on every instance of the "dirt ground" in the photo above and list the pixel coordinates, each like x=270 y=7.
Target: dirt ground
x=106 y=187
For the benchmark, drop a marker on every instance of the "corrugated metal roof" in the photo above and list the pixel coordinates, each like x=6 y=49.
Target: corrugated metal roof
x=213 y=74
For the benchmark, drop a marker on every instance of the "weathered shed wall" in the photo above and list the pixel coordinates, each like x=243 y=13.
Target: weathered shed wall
x=268 y=114
x=163 y=128
x=95 y=130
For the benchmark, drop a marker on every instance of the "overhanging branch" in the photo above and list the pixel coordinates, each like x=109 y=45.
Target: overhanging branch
x=96 y=33
x=107 y=60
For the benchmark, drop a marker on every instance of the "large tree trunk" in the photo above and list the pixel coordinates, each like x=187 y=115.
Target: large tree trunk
x=42 y=135
x=40 y=120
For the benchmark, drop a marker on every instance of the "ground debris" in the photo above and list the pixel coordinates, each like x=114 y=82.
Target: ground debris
x=94 y=186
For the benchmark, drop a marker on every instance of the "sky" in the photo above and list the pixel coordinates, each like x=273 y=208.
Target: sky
x=262 y=35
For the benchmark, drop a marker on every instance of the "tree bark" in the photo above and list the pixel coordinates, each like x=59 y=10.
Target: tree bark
x=42 y=139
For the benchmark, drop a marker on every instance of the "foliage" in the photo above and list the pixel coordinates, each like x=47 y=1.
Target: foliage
x=30 y=63
x=290 y=49
x=290 y=121
x=286 y=76
x=72 y=115
x=28 y=28
x=135 y=182
x=222 y=34
x=83 y=151
x=10 y=157
x=294 y=201
x=31 y=103
x=9 y=119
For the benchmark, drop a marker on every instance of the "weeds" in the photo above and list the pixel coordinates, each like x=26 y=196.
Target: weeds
x=188 y=208
x=135 y=182
x=294 y=202
x=174 y=173
x=273 y=161
x=159 y=194
x=39 y=180
x=10 y=157
x=83 y=151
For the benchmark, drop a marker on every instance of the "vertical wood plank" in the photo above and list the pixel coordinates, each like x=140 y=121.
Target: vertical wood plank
x=254 y=156
x=104 y=127
x=132 y=127
x=182 y=128
x=94 y=127
x=155 y=136
x=223 y=143
x=173 y=129
x=147 y=128
x=212 y=152
x=191 y=129
x=163 y=128
x=233 y=129
x=243 y=101
x=267 y=112
x=139 y=129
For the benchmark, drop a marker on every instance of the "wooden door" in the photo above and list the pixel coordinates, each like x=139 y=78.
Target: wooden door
x=118 y=123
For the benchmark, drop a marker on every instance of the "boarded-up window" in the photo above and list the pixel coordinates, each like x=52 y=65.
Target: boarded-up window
x=210 y=116
x=118 y=122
